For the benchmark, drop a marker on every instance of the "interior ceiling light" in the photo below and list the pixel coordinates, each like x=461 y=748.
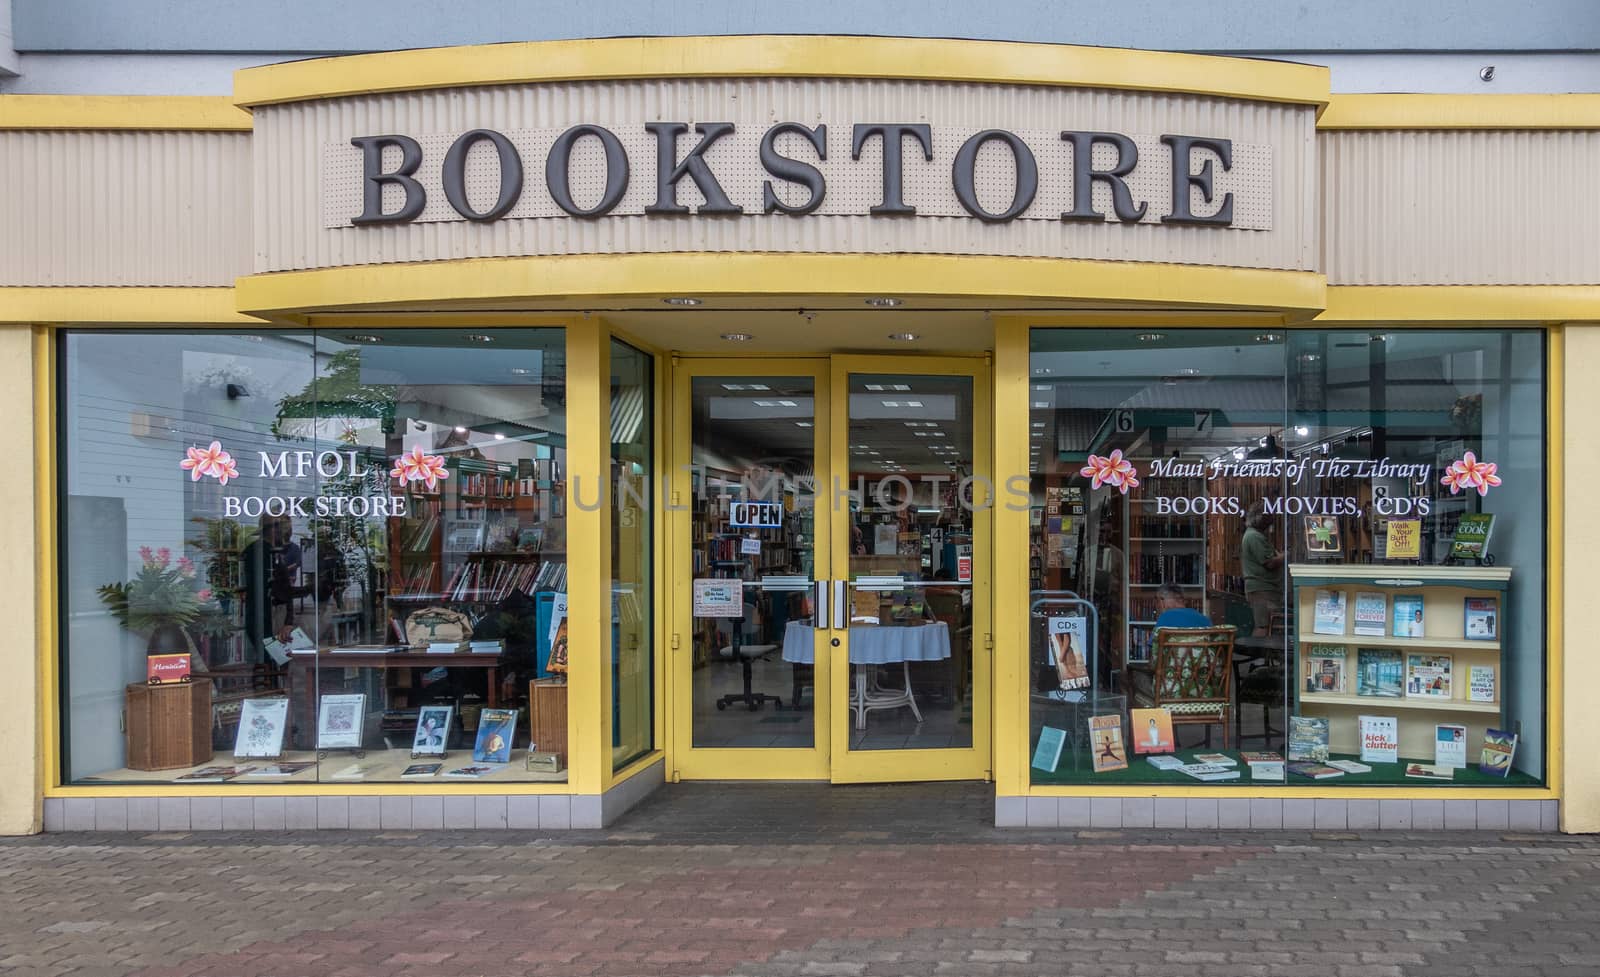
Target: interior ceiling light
x=364 y=337
x=1151 y=337
x=521 y=371
x=478 y=337
x=1268 y=337
x=681 y=300
x=904 y=337
x=1040 y=403
x=737 y=337
x=802 y=423
x=1302 y=430
x=460 y=429
x=498 y=436
x=884 y=302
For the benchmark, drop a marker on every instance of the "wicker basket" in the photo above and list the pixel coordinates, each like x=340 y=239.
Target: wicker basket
x=169 y=725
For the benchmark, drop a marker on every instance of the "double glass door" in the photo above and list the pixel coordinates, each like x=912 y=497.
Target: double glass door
x=830 y=527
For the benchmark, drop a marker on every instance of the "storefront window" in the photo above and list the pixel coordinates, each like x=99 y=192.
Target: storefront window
x=1287 y=557
x=314 y=557
x=632 y=553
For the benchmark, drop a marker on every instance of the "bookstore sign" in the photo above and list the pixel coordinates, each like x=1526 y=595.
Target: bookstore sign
x=1465 y=475
x=213 y=461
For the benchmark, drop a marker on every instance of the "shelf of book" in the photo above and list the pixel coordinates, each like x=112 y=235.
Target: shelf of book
x=1467 y=675
x=1374 y=703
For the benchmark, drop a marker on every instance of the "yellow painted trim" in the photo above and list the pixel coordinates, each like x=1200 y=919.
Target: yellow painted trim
x=48 y=769
x=328 y=789
x=708 y=275
x=1011 y=582
x=770 y=56
x=124 y=112
x=1293 y=793
x=685 y=761
x=133 y=305
x=442 y=320
x=1459 y=304
x=588 y=564
x=1580 y=111
x=1555 y=549
x=884 y=766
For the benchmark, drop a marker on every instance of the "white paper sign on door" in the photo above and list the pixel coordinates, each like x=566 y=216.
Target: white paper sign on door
x=718 y=598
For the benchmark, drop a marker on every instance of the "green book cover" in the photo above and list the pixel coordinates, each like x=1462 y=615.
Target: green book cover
x=1472 y=536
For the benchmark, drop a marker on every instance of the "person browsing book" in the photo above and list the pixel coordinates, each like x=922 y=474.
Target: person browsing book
x=1175 y=612
x=1261 y=562
x=267 y=570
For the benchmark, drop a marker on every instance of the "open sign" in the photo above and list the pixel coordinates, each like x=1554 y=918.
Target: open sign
x=755 y=515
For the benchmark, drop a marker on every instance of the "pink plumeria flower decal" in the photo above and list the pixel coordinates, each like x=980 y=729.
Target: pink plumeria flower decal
x=1112 y=469
x=1470 y=473
x=414 y=466
x=211 y=461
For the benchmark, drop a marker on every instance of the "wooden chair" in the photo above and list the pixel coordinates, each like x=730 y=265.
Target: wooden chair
x=1190 y=674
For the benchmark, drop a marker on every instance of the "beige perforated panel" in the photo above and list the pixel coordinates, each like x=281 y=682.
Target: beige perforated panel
x=308 y=176
x=853 y=186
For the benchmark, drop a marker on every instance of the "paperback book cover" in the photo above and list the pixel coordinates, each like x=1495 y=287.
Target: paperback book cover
x=420 y=771
x=1480 y=683
x=1428 y=676
x=1449 y=745
x=1329 y=612
x=286 y=768
x=1322 y=537
x=1324 y=668
x=1216 y=759
x=1265 y=770
x=1372 y=613
x=1380 y=739
x=1430 y=771
x=1472 y=536
x=1482 y=618
x=472 y=773
x=212 y=775
x=1408 y=616
x=1308 y=738
x=1379 y=673
x=1403 y=539
x=495 y=730
x=1068 y=641
x=1164 y=761
x=1047 y=755
x=261 y=725
x=340 y=720
x=1105 y=739
x=1315 y=771
x=1152 y=731
x=1260 y=756
x=1209 y=771
x=1499 y=749
x=1350 y=766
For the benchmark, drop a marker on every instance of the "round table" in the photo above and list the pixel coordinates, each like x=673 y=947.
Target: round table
x=876 y=644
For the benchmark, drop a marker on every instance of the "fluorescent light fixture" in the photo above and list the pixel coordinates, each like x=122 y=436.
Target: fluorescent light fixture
x=884 y=302
x=682 y=300
x=364 y=337
x=737 y=337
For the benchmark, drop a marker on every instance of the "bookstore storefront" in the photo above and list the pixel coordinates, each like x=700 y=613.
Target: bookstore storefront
x=499 y=446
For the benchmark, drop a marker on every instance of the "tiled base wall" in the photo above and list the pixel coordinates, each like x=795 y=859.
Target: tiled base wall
x=1275 y=812
x=367 y=812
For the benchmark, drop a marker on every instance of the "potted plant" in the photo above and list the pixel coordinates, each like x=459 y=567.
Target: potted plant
x=160 y=601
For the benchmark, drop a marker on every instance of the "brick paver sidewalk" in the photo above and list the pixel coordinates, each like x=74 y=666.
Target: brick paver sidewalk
x=796 y=880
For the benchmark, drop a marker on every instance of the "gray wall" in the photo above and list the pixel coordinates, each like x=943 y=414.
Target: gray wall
x=1234 y=26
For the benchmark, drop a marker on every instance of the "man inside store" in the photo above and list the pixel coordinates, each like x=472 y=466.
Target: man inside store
x=1261 y=562
x=268 y=568
x=1175 y=611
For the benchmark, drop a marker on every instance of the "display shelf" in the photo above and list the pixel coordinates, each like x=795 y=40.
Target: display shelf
x=1373 y=703
x=1420 y=644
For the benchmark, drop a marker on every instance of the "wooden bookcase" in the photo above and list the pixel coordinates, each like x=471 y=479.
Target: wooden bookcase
x=1443 y=590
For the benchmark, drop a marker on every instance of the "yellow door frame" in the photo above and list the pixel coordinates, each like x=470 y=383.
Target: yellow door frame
x=873 y=766
x=688 y=761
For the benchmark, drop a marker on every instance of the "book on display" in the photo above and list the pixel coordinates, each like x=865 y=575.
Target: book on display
x=1482 y=618
x=1428 y=676
x=1480 y=683
x=1209 y=771
x=1499 y=749
x=1380 y=739
x=1324 y=669
x=1449 y=745
x=1328 y=612
x=1308 y=738
x=1315 y=771
x=1372 y=613
x=1408 y=616
x=1380 y=673
x=1105 y=740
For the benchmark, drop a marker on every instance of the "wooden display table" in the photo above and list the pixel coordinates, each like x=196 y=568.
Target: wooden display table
x=169 y=725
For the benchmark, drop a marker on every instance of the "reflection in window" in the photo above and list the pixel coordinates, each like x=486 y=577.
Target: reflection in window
x=357 y=540
x=1196 y=491
x=632 y=552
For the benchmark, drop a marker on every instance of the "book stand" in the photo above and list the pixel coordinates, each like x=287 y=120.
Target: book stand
x=430 y=756
x=357 y=752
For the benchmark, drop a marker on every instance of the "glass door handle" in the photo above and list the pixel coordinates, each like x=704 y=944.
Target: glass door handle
x=841 y=606
x=821 y=587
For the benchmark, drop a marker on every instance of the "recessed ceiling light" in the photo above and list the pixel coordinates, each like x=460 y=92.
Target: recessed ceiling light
x=1041 y=386
x=681 y=300
x=737 y=337
x=1041 y=403
x=1038 y=423
x=364 y=337
x=498 y=436
x=884 y=302
x=460 y=429
x=1302 y=430
x=478 y=337
x=1268 y=337
x=1151 y=337
x=802 y=423
x=521 y=371
x=904 y=337
x=1188 y=371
